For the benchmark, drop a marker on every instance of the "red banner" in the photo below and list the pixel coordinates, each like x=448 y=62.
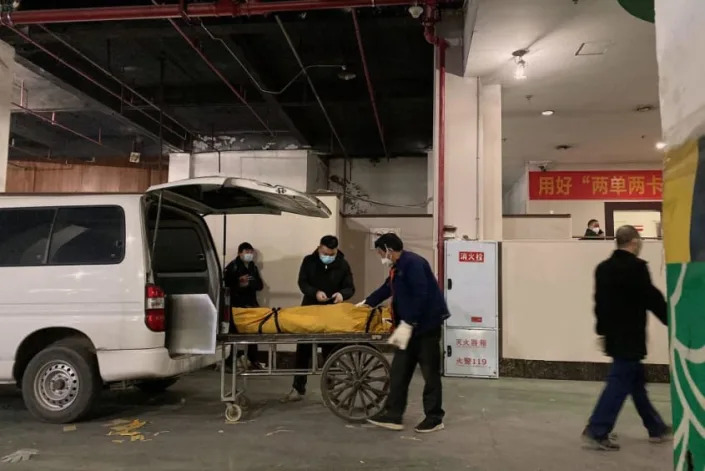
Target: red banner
x=599 y=185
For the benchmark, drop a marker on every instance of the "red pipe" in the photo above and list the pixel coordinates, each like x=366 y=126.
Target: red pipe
x=53 y=122
x=370 y=89
x=220 y=75
x=429 y=22
x=195 y=10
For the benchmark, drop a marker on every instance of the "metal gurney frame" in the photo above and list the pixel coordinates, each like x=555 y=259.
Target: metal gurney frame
x=354 y=378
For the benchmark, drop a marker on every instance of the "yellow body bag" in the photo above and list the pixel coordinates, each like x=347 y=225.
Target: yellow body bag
x=329 y=318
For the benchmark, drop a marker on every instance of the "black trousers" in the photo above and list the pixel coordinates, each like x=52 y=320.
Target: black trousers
x=304 y=354
x=425 y=350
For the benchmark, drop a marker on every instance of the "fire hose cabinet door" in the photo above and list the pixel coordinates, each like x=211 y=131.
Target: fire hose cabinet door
x=472 y=284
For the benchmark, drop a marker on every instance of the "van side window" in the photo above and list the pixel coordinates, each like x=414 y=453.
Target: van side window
x=23 y=236
x=89 y=235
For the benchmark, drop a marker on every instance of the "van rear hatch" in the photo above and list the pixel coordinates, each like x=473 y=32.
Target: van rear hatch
x=193 y=317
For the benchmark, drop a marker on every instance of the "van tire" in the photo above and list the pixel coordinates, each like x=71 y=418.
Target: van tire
x=61 y=383
x=156 y=386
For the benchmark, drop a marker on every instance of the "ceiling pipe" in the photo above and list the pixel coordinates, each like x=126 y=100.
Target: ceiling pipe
x=52 y=121
x=220 y=75
x=221 y=8
x=370 y=88
x=148 y=102
x=54 y=56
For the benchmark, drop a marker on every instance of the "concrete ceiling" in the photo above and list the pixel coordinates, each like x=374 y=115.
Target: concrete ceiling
x=593 y=93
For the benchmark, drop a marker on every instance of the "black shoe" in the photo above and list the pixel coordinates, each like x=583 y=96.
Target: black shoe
x=605 y=444
x=384 y=420
x=665 y=436
x=429 y=425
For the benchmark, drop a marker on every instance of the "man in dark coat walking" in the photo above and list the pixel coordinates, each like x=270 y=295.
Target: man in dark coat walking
x=325 y=277
x=623 y=294
x=418 y=311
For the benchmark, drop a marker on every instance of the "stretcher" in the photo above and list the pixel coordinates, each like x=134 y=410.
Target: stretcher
x=354 y=378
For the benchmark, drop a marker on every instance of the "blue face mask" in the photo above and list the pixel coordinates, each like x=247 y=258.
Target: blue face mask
x=327 y=259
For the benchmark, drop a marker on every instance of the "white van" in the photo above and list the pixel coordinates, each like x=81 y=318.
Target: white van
x=102 y=288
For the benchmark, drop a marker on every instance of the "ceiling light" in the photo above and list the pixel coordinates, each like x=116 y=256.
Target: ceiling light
x=660 y=145
x=644 y=108
x=520 y=71
x=564 y=147
x=548 y=113
x=416 y=11
x=346 y=75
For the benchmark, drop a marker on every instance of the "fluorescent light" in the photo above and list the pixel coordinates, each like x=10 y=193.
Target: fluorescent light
x=660 y=145
x=548 y=112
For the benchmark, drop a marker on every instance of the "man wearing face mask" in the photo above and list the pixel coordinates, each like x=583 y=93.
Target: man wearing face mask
x=244 y=281
x=623 y=294
x=593 y=229
x=325 y=277
x=418 y=312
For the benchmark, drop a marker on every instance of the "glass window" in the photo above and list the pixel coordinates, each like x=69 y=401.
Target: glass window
x=23 y=236
x=89 y=235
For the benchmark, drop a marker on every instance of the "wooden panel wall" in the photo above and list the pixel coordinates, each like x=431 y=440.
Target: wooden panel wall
x=43 y=177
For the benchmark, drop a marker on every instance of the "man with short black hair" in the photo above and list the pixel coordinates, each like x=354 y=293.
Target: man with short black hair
x=418 y=312
x=623 y=294
x=325 y=277
x=244 y=281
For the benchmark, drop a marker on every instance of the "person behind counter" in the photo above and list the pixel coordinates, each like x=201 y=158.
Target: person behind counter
x=244 y=281
x=325 y=277
x=593 y=230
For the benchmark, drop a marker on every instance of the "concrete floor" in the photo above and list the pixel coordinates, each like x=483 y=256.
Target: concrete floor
x=503 y=425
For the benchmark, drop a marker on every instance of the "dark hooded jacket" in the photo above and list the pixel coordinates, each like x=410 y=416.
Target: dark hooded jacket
x=243 y=296
x=316 y=276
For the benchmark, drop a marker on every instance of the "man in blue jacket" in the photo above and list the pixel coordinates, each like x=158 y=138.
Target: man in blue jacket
x=418 y=310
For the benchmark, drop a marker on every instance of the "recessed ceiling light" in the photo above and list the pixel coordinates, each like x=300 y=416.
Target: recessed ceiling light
x=660 y=145
x=643 y=108
x=548 y=112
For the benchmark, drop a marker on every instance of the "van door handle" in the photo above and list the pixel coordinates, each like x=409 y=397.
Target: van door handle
x=201 y=257
x=450 y=283
x=449 y=351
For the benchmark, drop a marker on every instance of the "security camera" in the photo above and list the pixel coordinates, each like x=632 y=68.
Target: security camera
x=416 y=11
x=543 y=168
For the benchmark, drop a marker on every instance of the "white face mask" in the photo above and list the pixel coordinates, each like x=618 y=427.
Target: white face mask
x=386 y=262
x=596 y=230
x=247 y=257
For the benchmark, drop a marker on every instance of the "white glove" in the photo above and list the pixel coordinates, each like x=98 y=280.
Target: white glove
x=337 y=298
x=400 y=337
x=362 y=303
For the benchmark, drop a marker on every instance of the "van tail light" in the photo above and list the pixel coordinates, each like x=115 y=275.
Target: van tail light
x=155 y=309
x=226 y=313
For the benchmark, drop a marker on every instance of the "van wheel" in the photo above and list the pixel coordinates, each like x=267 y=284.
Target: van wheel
x=156 y=386
x=61 y=383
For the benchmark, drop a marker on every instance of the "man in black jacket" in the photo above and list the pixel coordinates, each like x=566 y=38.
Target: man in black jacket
x=244 y=281
x=623 y=294
x=324 y=278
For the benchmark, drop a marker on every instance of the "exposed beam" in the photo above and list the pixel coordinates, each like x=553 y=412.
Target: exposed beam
x=61 y=79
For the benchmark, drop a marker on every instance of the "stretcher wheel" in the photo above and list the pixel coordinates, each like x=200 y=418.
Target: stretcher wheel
x=355 y=382
x=233 y=413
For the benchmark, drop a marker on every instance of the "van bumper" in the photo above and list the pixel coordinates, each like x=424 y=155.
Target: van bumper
x=153 y=363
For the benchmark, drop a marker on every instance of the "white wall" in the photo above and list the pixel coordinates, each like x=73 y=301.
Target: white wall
x=281 y=243
x=547 y=300
x=7 y=65
x=537 y=227
x=401 y=183
x=288 y=168
x=516 y=200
